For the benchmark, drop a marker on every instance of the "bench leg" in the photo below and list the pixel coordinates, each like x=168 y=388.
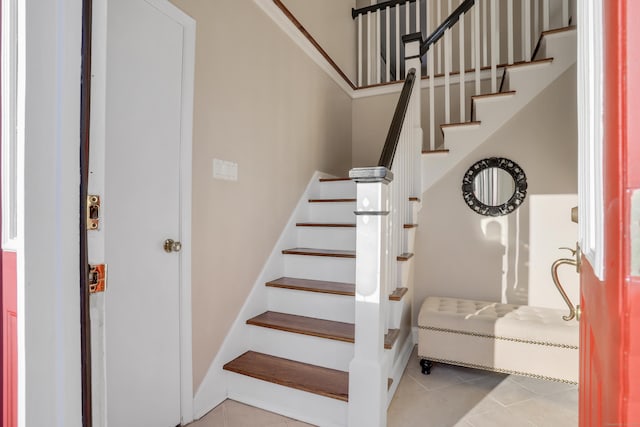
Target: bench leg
x=426 y=366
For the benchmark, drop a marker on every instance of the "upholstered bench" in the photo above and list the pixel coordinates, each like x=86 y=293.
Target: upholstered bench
x=512 y=339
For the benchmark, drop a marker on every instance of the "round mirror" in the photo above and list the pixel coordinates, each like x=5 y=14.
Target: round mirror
x=494 y=186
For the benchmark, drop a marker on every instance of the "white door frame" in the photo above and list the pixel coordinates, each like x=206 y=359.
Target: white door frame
x=96 y=186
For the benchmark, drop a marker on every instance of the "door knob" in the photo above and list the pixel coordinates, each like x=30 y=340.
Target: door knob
x=172 y=246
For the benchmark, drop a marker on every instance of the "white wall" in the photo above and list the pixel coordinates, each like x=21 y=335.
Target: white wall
x=48 y=268
x=462 y=254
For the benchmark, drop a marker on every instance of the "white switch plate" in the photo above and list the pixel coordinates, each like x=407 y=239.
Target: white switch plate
x=226 y=170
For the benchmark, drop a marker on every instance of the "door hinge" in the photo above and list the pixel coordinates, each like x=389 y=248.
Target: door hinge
x=97 y=278
x=93 y=212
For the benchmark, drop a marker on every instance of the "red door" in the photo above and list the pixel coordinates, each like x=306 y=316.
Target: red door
x=610 y=323
x=9 y=341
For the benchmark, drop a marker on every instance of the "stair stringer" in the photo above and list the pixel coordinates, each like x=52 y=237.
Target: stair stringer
x=527 y=81
x=214 y=388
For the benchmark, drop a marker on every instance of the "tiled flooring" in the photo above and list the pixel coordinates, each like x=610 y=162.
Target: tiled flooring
x=450 y=396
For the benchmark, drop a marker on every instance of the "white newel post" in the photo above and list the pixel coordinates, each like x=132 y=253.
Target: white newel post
x=367 y=371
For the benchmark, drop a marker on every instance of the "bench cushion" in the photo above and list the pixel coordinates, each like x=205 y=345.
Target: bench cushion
x=509 y=338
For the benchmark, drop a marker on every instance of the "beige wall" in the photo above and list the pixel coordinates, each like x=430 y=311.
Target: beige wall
x=331 y=25
x=462 y=254
x=260 y=102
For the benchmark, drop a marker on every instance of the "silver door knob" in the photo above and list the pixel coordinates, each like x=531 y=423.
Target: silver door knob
x=172 y=246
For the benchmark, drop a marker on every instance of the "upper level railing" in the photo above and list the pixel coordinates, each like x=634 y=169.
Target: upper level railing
x=469 y=42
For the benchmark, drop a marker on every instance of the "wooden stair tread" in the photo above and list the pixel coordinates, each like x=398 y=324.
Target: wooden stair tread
x=410 y=226
x=325 y=287
x=405 y=256
x=525 y=64
x=320 y=286
x=332 y=200
x=439 y=151
x=449 y=125
x=416 y=199
x=559 y=30
x=398 y=293
x=326 y=224
x=320 y=252
x=335 y=179
x=329 y=329
x=339 y=331
x=493 y=95
x=290 y=373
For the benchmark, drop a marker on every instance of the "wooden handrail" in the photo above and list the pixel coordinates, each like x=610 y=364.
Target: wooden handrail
x=393 y=136
x=446 y=24
x=379 y=6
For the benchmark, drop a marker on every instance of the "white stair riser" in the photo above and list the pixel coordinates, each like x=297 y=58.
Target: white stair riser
x=327 y=237
x=410 y=241
x=398 y=311
x=495 y=108
x=404 y=268
x=320 y=268
x=307 y=407
x=303 y=348
x=312 y=304
x=331 y=212
x=335 y=190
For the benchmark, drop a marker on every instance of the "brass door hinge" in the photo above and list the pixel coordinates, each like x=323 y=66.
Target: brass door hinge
x=93 y=212
x=97 y=278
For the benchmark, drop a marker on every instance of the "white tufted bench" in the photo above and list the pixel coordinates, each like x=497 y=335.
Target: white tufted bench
x=512 y=339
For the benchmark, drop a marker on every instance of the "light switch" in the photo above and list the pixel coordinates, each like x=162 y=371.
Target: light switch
x=224 y=169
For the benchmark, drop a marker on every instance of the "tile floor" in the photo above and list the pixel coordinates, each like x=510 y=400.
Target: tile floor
x=450 y=396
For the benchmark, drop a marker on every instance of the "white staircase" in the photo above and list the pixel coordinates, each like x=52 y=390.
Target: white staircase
x=522 y=83
x=307 y=317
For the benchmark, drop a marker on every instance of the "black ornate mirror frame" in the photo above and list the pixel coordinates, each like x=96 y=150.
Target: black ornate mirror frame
x=514 y=202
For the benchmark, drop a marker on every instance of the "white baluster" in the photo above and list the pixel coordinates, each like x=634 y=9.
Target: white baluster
x=478 y=64
x=359 y=19
x=472 y=34
x=417 y=30
x=495 y=43
x=462 y=73
x=545 y=15
x=523 y=39
x=510 y=32
x=449 y=10
x=369 y=61
x=447 y=72
x=438 y=45
x=527 y=30
x=536 y=18
x=378 y=42
x=407 y=19
x=398 y=32
x=485 y=34
x=386 y=45
x=432 y=98
x=565 y=13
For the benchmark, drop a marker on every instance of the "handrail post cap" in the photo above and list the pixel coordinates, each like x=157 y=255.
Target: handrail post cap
x=371 y=174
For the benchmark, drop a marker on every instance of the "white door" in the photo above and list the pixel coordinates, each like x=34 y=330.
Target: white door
x=143 y=131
